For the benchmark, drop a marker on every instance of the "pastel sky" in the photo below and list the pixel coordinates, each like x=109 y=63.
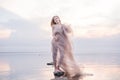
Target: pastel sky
x=89 y=18
x=29 y=20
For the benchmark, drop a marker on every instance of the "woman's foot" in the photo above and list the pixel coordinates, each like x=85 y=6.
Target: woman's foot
x=58 y=73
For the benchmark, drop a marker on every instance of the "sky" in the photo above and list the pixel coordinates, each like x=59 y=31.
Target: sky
x=23 y=21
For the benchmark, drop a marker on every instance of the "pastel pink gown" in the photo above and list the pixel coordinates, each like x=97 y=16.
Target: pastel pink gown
x=62 y=51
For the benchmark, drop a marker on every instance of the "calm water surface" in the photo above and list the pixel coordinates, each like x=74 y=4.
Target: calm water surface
x=32 y=66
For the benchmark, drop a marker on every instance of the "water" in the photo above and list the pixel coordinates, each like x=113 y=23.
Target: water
x=32 y=66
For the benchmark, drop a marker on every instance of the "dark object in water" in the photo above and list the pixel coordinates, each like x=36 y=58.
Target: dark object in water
x=58 y=74
x=51 y=63
x=60 y=78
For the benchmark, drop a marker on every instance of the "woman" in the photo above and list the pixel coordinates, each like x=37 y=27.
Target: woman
x=62 y=51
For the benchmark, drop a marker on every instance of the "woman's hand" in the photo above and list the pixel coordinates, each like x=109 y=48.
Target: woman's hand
x=55 y=38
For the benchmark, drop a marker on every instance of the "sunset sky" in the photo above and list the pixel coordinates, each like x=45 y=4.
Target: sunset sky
x=22 y=20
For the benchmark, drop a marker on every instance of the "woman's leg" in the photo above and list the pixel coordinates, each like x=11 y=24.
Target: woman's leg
x=54 y=55
x=62 y=52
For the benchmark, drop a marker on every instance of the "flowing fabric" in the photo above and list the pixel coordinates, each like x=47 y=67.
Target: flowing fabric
x=62 y=51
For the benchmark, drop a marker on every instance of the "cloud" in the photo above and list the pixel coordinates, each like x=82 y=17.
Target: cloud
x=5 y=33
x=98 y=27
x=96 y=32
x=4 y=66
x=19 y=30
x=30 y=9
x=89 y=19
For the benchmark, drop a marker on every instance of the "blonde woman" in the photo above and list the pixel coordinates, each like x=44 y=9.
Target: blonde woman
x=64 y=63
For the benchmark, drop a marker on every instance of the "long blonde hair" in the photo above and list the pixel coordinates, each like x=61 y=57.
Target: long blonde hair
x=53 y=22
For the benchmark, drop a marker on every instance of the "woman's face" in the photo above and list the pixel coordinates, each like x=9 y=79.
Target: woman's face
x=56 y=19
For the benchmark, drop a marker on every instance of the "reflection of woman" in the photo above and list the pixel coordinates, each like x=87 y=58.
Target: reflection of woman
x=62 y=51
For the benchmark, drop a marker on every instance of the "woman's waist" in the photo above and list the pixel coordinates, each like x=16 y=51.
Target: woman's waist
x=60 y=35
x=57 y=33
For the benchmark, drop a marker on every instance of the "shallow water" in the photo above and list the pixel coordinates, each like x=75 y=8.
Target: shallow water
x=32 y=66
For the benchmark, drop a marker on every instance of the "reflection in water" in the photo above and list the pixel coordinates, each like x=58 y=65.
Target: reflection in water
x=4 y=70
x=33 y=67
x=48 y=73
x=4 y=66
x=102 y=72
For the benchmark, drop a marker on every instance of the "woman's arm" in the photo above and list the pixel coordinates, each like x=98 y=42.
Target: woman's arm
x=67 y=28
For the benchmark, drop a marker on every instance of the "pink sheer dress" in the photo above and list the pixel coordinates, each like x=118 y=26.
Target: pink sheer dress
x=62 y=51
